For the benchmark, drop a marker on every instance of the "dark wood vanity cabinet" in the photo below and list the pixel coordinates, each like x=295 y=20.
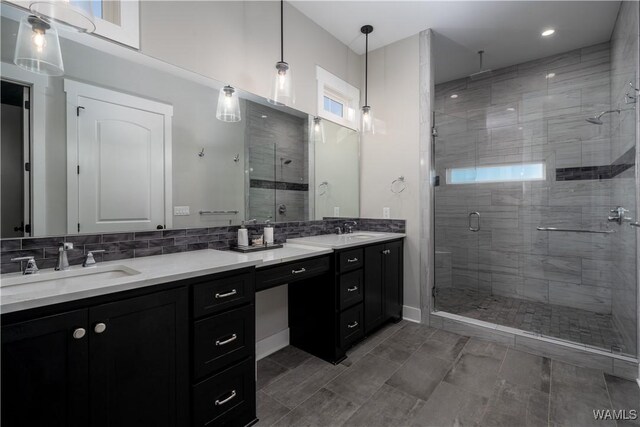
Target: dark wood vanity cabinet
x=362 y=291
x=104 y=365
x=177 y=354
x=383 y=284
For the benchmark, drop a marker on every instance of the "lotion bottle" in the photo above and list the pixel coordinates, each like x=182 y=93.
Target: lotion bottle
x=268 y=233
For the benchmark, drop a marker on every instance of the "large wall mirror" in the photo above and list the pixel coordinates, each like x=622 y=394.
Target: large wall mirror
x=126 y=142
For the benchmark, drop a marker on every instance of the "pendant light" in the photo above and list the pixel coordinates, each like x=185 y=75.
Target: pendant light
x=228 y=105
x=318 y=130
x=38 y=47
x=282 y=89
x=366 y=113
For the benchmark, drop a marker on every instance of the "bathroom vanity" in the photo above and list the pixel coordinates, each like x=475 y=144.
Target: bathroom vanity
x=172 y=341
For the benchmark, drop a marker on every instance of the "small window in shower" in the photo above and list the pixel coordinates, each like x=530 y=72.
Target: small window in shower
x=497 y=173
x=333 y=106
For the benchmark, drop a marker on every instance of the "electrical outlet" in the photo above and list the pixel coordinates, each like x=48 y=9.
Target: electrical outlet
x=386 y=213
x=336 y=211
x=181 y=210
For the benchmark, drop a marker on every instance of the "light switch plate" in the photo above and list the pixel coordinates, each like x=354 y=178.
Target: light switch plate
x=336 y=211
x=386 y=213
x=181 y=210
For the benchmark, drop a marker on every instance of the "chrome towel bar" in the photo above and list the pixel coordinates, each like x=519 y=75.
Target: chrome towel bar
x=571 y=230
x=218 y=212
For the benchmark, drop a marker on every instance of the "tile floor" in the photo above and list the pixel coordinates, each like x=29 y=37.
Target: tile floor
x=572 y=324
x=413 y=375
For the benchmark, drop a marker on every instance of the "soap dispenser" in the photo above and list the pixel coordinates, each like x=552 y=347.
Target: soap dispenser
x=268 y=233
x=243 y=235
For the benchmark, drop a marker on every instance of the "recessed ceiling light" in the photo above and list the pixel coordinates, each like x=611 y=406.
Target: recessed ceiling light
x=511 y=109
x=263 y=116
x=548 y=32
x=454 y=96
x=550 y=75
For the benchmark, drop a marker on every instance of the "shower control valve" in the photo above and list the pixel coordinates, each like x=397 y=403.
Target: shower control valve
x=618 y=215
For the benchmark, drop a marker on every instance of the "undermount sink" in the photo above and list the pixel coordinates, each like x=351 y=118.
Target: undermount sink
x=75 y=276
x=361 y=235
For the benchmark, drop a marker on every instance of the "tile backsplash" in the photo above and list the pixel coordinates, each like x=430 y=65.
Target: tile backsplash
x=147 y=243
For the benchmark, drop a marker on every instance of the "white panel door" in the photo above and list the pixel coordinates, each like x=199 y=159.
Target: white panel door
x=121 y=167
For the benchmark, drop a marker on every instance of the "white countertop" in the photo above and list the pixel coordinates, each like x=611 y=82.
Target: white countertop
x=342 y=241
x=18 y=292
x=290 y=252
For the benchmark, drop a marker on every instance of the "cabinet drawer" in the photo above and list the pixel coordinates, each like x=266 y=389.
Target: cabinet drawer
x=351 y=326
x=219 y=294
x=223 y=339
x=227 y=398
x=350 y=260
x=350 y=289
x=291 y=272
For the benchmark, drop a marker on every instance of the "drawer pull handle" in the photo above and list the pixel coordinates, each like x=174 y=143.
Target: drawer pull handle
x=302 y=270
x=352 y=259
x=386 y=251
x=232 y=338
x=353 y=325
x=228 y=294
x=79 y=333
x=353 y=289
x=226 y=400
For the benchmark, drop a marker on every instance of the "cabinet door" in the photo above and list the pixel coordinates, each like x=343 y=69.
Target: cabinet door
x=393 y=270
x=373 y=287
x=45 y=371
x=139 y=365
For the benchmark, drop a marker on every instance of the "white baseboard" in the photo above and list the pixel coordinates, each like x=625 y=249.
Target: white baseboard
x=411 y=314
x=271 y=344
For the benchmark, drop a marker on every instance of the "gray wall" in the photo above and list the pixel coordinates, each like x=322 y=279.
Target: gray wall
x=523 y=113
x=624 y=60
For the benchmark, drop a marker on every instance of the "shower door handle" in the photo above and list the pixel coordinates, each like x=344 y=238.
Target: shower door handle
x=471 y=228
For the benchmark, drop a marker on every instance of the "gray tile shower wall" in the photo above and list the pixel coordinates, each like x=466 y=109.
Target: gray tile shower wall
x=146 y=243
x=624 y=60
x=530 y=112
x=278 y=172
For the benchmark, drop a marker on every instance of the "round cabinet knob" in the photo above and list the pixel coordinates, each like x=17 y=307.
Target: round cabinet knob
x=79 y=333
x=99 y=328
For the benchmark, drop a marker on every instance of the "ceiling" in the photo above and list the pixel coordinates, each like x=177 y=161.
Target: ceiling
x=508 y=31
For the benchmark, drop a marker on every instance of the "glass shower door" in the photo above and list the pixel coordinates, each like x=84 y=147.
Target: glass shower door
x=458 y=221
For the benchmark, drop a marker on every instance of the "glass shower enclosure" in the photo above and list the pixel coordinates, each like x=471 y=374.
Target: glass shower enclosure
x=534 y=199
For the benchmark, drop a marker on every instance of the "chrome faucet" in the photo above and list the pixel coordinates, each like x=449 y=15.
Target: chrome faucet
x=63 y=261
x=30 y=267
x=89 y=260
x=349 y=225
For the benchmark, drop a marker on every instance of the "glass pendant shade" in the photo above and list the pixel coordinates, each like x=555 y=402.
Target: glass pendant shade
x=38 y=47
x=367 y=120
x=77 y=14
x=228 y=105
x=317 y=130
x=282 y=89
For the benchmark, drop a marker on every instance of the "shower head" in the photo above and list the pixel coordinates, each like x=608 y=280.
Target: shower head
x=481 y=73
x=596 y=120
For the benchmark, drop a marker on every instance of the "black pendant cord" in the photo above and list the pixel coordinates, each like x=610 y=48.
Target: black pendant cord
x=366 y=68
x=281 y=30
